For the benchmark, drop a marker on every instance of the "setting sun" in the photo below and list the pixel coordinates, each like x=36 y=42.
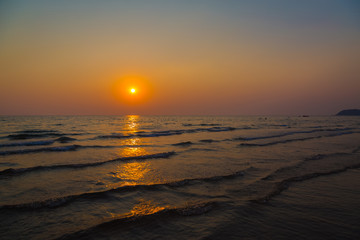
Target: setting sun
x=132 y=90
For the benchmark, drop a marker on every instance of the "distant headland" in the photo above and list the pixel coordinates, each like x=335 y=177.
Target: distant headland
x=349 y=112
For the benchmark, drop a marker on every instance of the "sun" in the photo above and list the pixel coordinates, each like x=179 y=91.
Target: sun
x=132 y=90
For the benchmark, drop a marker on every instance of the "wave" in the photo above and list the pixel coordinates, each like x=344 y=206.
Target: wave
x=37 y=131
x=276 y=142
x=38 y=143
x=117 y=135
x=290 y=140
x=284 y=184
x=208 y=140
x=202 y=124
x=278 y=125
x=356 y=150
x=218 y=129
x=38 y=134
x=65 y=139
x=18 y=171
x=201 y=150
x=168 y=132
x=61 y=148
x=208 y=179
x=131 y=219
x=290 y=133
x=35 y=143
x=57 y=202
x=22 y=136
x=46 y=149
x=8 y=164
x=312 y=158
x=184 y=144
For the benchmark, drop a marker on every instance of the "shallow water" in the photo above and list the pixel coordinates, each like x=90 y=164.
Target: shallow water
x=140 y=177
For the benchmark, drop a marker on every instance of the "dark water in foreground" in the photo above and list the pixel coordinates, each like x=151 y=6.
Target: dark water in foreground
x=135 y=177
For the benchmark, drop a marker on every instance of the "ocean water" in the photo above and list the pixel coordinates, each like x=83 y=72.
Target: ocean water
x=179 y=177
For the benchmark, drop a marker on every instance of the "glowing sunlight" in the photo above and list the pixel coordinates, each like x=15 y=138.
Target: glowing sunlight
x=132 y=90
x=145 y=208
x=134 y=143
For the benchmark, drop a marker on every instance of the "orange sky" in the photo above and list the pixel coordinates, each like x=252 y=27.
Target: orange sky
x=196 y=57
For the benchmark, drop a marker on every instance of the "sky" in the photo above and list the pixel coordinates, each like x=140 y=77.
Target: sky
x=188 y=57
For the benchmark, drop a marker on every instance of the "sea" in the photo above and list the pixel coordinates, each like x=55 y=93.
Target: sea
x=179 y=177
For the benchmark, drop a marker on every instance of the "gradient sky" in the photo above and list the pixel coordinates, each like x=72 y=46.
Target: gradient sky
x=217 y=57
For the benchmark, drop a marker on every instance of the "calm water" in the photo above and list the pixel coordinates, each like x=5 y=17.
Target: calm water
x=164 y=177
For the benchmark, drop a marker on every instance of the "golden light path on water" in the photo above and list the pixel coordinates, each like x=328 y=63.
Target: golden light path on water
x=131 y=173
x=143 y=207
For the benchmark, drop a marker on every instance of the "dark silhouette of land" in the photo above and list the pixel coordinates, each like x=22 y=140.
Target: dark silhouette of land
x=349 y=112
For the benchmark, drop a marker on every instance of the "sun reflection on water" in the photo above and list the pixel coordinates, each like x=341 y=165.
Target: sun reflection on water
x=145 y=208
x=132 y=151
x=131 y=125
x=130 y=128
x=131 y=173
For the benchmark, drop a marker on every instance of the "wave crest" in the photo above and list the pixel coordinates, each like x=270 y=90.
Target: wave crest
x=57 y=202
x=13 y=172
